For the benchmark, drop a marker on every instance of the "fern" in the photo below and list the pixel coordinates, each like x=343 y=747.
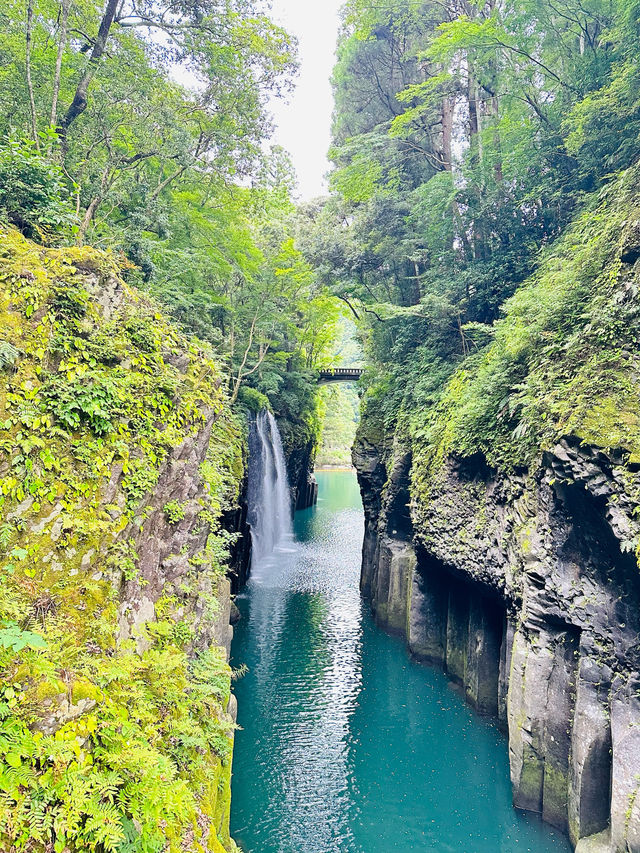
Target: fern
x=13 y=778
x=103 y=826
x=39 y=820
x=8 y=354
x=6 y=530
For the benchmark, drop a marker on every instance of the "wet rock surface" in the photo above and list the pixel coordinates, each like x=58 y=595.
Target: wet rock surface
x=526 y=590
x=300 y=458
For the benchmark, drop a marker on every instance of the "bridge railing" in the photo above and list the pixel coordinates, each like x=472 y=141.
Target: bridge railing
x=336 y=374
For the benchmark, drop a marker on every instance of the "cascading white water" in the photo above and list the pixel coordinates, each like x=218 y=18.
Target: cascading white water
x=269 y=497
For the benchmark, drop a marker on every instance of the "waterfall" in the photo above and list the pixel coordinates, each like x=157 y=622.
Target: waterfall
x=268 y=496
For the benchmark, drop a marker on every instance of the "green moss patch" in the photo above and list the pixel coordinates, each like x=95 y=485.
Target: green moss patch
x=102 y=746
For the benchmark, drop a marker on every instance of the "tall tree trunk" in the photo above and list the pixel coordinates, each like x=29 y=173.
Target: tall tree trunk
x=53 y=121
x=106 y=181
x=86 y=219
x=447 y=132
x=494 y=106
x=475 y=146
x=474 y=115
x=493 y=109
x=32 y=102
x=79 y=103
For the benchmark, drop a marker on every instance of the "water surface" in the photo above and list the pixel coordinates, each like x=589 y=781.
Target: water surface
x=348 y=746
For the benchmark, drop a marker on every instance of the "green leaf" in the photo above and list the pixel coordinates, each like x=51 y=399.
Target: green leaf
x=13 y=759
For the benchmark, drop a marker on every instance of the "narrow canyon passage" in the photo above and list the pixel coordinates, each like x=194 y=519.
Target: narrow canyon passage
x=346 y=745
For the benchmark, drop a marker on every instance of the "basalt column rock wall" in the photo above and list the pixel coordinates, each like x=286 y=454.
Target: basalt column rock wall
x=526 y=590
x=300 y=457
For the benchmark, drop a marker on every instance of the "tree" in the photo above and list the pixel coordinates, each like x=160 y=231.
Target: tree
x=466 y=135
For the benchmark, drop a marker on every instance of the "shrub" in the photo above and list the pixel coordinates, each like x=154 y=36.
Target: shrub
x=91 y=400
x=33 y=194
x=174 y=512
x=254 y=400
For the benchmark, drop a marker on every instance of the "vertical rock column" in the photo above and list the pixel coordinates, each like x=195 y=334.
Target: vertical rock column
x=483 y=654
x=396 y=567
x=506 y=649
x=369 y=572
x=402 y=564
x=540 y=706
x=428 y=607
x=457 y=632
x=625 y=787
x=590 y=779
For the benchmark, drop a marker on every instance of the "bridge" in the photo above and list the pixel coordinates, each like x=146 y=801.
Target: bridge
x=340 y=374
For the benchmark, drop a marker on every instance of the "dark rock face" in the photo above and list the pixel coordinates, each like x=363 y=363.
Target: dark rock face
x=165 y=549
x=165 y=552
x=235 y=521
x=526 y=589
x=304 y=488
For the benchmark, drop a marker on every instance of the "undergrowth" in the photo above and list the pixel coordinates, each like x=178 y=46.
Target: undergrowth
x=563 y=360
x=109 y=741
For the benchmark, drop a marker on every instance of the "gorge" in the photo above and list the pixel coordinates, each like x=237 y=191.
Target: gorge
x=345 y=744
x=448 y=660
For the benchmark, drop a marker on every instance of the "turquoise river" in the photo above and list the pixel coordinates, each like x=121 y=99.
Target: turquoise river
x=346 y=745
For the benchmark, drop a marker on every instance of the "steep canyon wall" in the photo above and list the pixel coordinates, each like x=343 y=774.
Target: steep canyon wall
x=516 y=569
x=523 y=590
x=121 y=465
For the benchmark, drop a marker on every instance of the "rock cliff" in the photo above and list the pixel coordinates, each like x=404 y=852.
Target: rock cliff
x=120 y=470
x=504 y=546
x=300 y=452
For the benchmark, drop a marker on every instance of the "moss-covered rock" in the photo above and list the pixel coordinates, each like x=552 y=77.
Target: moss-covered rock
x=113 y=725
x=563 y=361
x=524 y=498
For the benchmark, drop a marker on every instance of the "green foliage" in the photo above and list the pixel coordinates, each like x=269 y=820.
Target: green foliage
x=69 y=302
x=33 y=193
x=111 y=738
x=253 y=399
x=467 y=139
x=339 y=422
x=339 y=403
x=561 y=361
x=174 y=512
x=603 y=128
x=104 y=778
x=175 y=177
x=123 y=558
x=8 y=354
x=91 y=399
x=13 y=637
x=161 y=172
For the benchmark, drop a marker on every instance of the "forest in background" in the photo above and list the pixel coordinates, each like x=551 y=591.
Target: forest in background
x=339 y=402
x=467 y=137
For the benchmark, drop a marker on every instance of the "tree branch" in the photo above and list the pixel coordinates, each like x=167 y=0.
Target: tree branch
x=242 y=373
x=353 y=310
x=79 y=103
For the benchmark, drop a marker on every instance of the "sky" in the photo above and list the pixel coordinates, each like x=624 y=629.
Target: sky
x=303 y=122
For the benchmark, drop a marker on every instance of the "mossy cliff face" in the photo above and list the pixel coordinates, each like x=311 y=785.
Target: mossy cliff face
x=300 y=445
x=119 y=458
x=503 y=529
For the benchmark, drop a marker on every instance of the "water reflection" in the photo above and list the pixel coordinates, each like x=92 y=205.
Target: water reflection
x=347 y=746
